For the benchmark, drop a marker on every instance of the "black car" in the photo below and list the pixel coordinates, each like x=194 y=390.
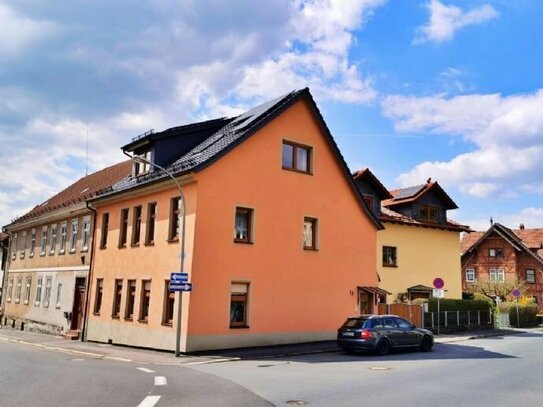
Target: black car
x=381 y=333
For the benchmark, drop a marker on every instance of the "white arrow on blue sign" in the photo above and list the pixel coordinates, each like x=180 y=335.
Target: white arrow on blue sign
x=179 y=277
x=174 y=286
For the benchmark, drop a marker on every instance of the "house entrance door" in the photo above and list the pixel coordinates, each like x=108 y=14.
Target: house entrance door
x=79 y=303
x=365 y=302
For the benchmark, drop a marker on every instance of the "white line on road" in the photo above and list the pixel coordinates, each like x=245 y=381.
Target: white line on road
x=149 y=401
x=145 y=370
x=160 y=381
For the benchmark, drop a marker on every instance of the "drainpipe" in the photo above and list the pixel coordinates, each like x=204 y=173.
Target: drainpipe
x=89 y=276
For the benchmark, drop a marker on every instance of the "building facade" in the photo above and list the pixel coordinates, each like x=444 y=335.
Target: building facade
x=419 y=243
x=503 y=256
x=49 y=256
x=278 y=241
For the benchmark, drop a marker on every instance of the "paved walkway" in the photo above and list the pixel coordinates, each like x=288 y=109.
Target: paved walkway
x=144 y=356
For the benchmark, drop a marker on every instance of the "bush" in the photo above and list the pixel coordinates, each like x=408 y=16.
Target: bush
x=446 y=304
x=527 y=313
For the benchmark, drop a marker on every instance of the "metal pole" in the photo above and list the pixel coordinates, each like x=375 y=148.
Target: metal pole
x=181 y=216
x=438 y=316
x=518 y=318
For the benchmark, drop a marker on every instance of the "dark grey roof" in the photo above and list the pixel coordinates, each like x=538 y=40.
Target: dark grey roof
x=408 y=192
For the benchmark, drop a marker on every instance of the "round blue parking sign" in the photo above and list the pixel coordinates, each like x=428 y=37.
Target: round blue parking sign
x=438 y=283
x=515 y=293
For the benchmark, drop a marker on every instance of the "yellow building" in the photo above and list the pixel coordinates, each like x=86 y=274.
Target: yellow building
x=419 y=243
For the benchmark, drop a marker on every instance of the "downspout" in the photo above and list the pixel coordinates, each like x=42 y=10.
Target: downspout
x=89 y=276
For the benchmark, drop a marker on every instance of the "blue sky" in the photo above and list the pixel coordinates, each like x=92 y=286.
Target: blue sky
x=450 y=90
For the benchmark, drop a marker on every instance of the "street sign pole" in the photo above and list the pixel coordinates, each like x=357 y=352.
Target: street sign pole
x=438 y=284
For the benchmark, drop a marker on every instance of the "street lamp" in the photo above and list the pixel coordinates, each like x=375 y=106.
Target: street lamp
x=182 y=209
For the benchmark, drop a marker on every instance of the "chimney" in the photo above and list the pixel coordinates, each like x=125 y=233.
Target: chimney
x=521 y=226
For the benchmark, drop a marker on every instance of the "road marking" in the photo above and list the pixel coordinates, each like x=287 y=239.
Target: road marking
x=149 y=401
x=145 y=370
x=160 y=381
x=206 y=362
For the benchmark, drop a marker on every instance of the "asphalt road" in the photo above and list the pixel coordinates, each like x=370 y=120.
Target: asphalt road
x=494 y=372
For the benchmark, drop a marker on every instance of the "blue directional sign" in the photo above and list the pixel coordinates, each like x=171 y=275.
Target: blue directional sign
x=179 y=277
x=175 y=286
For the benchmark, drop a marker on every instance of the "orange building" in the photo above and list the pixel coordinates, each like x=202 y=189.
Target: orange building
x=278 y=240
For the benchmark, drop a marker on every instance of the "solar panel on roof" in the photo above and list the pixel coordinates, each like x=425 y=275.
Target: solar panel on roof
x=408 y=192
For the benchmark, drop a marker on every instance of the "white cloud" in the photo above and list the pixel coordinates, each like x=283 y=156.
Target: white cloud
x=445 y=21
x=505 y=134
x=530 y=217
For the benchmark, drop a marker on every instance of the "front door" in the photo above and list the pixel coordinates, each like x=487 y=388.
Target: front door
x=365 y=302
x=79 y=303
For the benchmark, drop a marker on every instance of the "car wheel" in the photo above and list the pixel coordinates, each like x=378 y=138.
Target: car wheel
x=426 y=344
x=383 y=347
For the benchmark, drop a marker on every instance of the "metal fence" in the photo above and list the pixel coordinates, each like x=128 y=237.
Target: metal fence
x=458 y=320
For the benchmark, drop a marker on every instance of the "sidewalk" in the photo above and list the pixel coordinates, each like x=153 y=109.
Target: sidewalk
x=144 y=356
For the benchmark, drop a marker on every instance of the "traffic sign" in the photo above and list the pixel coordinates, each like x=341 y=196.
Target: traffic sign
x=179 y=277
x=174 y=286
x=439 y=283
x=438 y=293
x=516 y=293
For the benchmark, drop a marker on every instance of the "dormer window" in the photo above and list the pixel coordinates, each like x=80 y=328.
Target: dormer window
x=140 y=168
x=429 y=213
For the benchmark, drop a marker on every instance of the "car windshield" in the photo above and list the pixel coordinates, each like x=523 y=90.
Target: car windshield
x=354 y=323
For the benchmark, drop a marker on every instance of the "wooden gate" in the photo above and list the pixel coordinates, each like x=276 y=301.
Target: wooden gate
x=412 y=312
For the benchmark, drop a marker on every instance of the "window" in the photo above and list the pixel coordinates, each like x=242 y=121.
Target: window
x=73 y=236
x=389 y=256
x=105 y=227
x=86 y=233
x=497 y=275
x=47 y=295
x=28 y=285
x=403 y=324
x=470 y=275
x=117 y=294
x=143 y=167
x=169 y=302
x=53 y=239
x=368 y=200
x=429 y=213
x=59 y=295
x=310 y=234
x=145 y=300
x=296 y=157
x=151 y=220
x=123 y=227
x=174 y=219
x=130 y=300
x=10 y=289
x=243 y=225
x=238 y=305
x=63 y=233
x=43 y=241
x=37 y=300
x=495 y=252
x=18 y=289
x=32 y=242
x=530 y=276
x=136 y=226
x=14 y=247
x=98 y=296
x=23 y=244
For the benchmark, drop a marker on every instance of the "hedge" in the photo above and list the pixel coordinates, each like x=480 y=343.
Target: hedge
x=527 y=313
x=447 y=304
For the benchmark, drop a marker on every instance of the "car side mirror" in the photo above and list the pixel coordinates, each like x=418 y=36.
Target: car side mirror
x=413 y=326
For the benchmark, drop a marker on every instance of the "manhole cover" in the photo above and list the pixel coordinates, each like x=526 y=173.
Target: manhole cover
x=379 y=368
x=298 y=403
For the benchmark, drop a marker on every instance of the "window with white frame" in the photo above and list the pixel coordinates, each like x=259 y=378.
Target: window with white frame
x=10 y=289
x=470 y=275
x=14 y=247
x=32 y=242
x=23 y=244
x=530 y=276
x=53 y=240
x=497 y=275
x=63 y=234
x=73 y=235
x=47 y=295
x=18 y=289
x=59 y=295
x=37 y=300
x=86 y=233
x=28 y=285
x=43 y=241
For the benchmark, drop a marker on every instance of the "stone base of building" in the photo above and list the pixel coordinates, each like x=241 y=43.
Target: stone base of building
x=22 y=324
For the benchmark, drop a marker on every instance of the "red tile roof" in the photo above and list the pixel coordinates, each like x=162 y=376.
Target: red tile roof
x=532 y=238
x=411 y=194
x=81 y=190
x=388 y=215
x=469 y=240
